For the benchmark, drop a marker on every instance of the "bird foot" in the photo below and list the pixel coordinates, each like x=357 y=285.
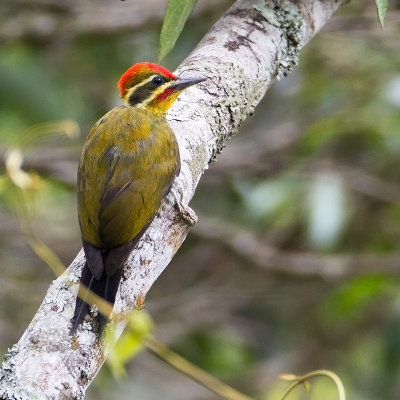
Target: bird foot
x=187 y=214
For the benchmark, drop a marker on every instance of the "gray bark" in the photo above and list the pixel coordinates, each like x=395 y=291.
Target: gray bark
x=253 y=44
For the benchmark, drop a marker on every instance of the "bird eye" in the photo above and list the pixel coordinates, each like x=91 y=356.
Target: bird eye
x=158 y=80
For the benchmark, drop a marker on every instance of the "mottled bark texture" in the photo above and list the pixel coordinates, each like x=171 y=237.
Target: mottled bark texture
x=253 y=44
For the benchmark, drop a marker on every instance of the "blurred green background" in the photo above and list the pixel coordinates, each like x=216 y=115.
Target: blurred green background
x=295 y=260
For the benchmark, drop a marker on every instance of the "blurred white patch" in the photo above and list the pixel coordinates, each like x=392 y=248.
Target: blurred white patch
x=13 y=162
x=326 y=210
x=263 y=199
x=391 y=92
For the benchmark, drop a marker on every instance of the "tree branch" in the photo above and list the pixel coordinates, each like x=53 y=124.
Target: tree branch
x=252 y=45
x=245 y=244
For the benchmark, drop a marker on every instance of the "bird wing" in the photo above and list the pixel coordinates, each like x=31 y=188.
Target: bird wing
x=127 y=167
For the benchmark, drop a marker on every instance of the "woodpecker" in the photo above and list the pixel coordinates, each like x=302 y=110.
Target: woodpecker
x=128 y=164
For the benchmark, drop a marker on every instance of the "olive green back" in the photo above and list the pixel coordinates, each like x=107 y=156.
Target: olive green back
x=127 y=166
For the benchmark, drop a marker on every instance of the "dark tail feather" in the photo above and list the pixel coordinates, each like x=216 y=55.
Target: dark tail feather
x=106 y=287
x=81 y=307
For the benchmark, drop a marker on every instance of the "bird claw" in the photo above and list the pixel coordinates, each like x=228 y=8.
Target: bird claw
x=187 y=213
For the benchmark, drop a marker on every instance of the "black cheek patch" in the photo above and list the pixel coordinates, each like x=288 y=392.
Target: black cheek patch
x=141 y=94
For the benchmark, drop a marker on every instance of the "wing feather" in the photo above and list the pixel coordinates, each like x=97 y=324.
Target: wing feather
x=121 y=184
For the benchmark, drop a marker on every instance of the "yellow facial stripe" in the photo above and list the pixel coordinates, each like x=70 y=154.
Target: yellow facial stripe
x=155 y=93
x=130 y=91
x=144 y=92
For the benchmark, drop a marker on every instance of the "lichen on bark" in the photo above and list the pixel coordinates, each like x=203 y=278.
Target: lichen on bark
x=286 y=16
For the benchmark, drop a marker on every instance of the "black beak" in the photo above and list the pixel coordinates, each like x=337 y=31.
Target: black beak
x=183 y=83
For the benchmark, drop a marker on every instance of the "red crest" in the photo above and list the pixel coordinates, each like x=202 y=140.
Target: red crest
x=139 y=69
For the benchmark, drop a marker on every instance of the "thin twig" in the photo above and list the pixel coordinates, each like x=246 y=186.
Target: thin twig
x=303 y=379
x=197 y=374
x=245 y=244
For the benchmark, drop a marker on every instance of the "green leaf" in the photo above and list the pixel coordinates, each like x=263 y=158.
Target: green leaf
x=352 y=301
x=382 y=6
x=130 y=343
x=176 y=14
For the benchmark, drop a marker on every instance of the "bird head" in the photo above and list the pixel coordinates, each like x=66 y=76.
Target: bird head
x=152 y=87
